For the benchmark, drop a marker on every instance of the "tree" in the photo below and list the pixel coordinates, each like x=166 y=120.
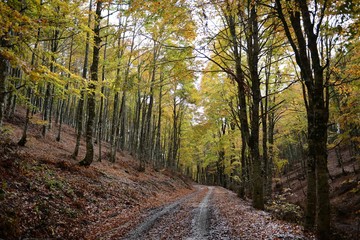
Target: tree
x=92 y=87
x=80 y=107
x=240 y=51
x=15 y=21
x=303 y=32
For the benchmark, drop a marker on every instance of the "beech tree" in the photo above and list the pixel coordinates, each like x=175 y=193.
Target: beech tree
x=303 y=24
x=80 y=106
x=94 y=69
x=15 y=20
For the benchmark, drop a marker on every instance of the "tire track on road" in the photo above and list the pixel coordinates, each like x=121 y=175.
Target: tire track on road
x=155 y=215
x=201 y=221
x=190 y=217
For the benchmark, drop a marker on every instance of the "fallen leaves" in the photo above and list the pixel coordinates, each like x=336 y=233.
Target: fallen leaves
x=247 y=223
x=45 y=194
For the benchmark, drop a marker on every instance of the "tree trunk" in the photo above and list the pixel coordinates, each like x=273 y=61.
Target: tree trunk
x=242 y=104
x=158 y=150
x=4 y=71
x=100 y=122
x=62 y=101
x=305 y=45
x=80 y=108
x=317 y=141
x=3 y=76
x=114 y=124
x=49 y=87
x=253 y=58
x=116 y=121
x=89 y=156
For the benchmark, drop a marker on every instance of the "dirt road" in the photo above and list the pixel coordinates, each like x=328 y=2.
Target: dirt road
x=207 y=213
x=190 y=217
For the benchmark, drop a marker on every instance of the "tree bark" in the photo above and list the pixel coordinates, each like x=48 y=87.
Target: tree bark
x=80 y=108
x=3 y=76
x=48 y=99
x=242 y=104
x=62 y=101
x=316 y=101
x=89 y=156
x=253 y=59
x=100 y=121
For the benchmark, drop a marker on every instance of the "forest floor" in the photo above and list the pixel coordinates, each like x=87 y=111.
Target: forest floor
x=44 y=193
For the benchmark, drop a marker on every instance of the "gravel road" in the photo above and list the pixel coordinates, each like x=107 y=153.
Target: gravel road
x=191 y=217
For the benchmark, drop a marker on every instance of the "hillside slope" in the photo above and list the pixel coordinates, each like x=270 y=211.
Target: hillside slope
x=344 y=192
x=45 y=194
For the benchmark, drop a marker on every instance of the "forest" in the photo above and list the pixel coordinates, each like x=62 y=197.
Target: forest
x=260 y=97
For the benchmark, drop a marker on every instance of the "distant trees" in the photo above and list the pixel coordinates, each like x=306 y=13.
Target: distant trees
x=242 y=50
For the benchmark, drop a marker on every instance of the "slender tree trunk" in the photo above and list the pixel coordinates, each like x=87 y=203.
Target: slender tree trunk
x=158 y=151
x=174 y=136
x=122 y=122
x=271 y=128
x=4 y=71
x=264 y=114
x=23 y=138
x=61 y=116
x=123 y=108
x=135 y=139
x=116 y=121
x=115 y=115
x=142 y=143
x=62 y=101
x=114 y=124
x=242 y=104
x=49 y=87
x=100 y=122
x=3 y=76
x=80 y=108
x=147 y=145
x=271 y=151
x=46 y=109
x=89 y=156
